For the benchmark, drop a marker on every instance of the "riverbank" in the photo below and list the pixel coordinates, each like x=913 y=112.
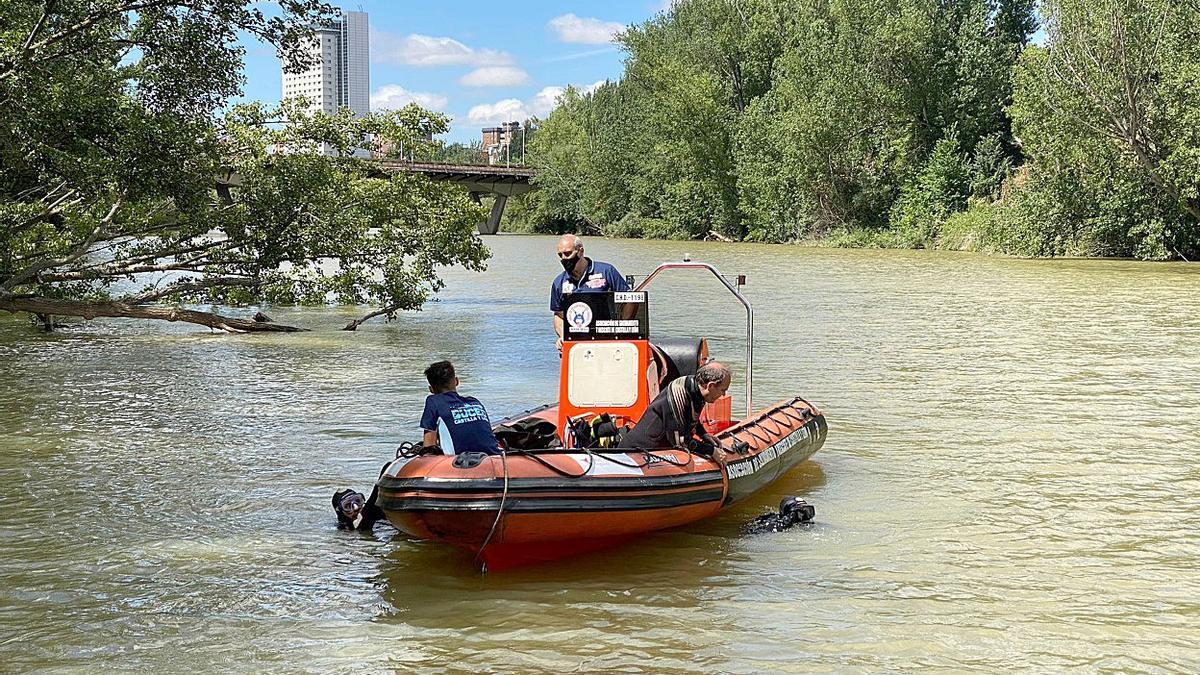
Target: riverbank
x=986 y=228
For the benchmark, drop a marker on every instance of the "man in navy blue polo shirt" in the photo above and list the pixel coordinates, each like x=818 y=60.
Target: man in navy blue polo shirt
x=458 y=423
x=580 y=275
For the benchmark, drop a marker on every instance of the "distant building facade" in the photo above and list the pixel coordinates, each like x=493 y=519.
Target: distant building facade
x=340 y=78
x=498 y=139
x=501 y=135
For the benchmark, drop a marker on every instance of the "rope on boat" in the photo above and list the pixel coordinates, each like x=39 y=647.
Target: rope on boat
x=499 y=512
x=750 y=427
x=650 y=458
x=566 y=474
x=408 y=450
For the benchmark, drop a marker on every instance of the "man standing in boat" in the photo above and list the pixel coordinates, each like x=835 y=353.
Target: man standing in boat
x=580 y=275
x=672 y=419
x=455 y=422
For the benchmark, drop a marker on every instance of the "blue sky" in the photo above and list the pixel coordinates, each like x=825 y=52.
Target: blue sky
x=476 y=61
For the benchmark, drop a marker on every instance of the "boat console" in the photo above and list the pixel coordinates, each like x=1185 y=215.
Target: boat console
x=610 y=367
x=606 y=359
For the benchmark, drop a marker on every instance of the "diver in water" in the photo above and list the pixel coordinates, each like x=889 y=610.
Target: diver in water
x=354 y=511
x=792 y=511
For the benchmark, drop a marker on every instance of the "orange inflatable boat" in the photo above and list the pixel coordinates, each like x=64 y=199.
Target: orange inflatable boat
x=561 y=487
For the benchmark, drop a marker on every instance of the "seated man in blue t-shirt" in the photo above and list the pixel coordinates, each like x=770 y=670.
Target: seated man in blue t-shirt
x=458 y=423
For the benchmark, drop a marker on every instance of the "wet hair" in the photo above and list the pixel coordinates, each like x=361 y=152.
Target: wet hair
x=712 y=373
x=440 y=375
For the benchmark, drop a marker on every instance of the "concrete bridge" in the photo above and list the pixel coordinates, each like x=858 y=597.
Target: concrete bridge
x=479 y=179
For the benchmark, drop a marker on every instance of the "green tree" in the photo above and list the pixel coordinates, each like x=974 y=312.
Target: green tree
x=860 y=106
x=1108 y=114
x=826 y=148
x=110 y=151
x=782 y=119
x=560 y=153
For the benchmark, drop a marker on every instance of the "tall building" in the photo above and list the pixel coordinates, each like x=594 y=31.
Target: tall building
x=340 y=76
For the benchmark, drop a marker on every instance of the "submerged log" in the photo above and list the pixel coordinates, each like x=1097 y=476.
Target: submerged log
x=92 y=310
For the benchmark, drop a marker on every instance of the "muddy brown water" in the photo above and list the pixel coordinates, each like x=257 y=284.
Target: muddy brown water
x=1010 y=481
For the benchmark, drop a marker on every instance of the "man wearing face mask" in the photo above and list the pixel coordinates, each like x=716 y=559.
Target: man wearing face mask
x=580 y=275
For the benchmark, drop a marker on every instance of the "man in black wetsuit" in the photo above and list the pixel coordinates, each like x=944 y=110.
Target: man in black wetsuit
x=673 y=418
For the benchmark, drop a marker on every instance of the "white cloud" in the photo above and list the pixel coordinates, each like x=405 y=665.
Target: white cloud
x=510 y=109
x=495 y=76
x=584 y=30
x=429 y=51
x=394 y=97
x=545 y=100
x=539 y=105
x=594 y=86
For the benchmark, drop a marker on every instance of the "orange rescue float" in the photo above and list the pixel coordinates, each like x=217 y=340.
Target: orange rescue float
x=540 y=503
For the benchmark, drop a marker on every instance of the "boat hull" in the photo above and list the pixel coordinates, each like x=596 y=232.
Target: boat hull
x=539 y=505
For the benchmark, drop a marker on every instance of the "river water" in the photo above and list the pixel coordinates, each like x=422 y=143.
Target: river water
x=1009 y=482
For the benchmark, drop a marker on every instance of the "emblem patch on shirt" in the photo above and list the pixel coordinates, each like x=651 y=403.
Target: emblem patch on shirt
x=597 y=281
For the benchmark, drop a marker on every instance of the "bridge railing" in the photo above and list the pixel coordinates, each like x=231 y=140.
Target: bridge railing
x=443 y=168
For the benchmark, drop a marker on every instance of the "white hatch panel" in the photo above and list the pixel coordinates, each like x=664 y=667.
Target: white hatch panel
x=603 y=374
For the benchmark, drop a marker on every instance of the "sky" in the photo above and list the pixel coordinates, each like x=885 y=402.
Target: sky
x=481 y=63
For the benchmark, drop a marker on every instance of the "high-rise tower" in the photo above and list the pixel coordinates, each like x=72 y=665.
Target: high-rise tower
x=340 y=76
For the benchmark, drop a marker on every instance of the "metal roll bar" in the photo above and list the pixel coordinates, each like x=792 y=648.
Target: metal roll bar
x=687 y=264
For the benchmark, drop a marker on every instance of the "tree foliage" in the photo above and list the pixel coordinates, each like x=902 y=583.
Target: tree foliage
x=1108 y=115
x=111 y=149
x=881 y=121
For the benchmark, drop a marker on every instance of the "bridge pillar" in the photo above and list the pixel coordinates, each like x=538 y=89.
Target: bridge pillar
x=492 y=224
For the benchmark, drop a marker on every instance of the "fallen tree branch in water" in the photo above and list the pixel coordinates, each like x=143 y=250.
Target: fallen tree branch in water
x=92 y=310
x=390 y=310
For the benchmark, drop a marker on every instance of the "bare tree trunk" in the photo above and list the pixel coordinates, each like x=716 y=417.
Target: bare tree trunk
x=91 y=310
